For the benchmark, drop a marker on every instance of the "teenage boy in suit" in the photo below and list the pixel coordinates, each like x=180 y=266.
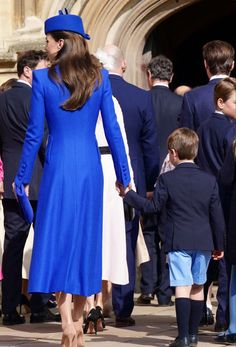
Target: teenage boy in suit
x=198 y=104
x=194 y=228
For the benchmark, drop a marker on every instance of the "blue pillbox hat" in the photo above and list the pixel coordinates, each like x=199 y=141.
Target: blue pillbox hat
x=67 y=22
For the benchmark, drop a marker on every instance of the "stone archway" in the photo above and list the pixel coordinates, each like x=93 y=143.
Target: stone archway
x=127 y=24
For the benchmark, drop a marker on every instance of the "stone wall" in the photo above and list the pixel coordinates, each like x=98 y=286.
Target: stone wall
x=126 y=23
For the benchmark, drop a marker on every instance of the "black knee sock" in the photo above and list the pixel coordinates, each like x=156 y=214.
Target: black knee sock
x=195 y=316
x=182 y=307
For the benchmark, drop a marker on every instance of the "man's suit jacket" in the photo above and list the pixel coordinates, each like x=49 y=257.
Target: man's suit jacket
x=167 y=107
x=194 y=215
x=141 y=132
x=198 y=105
x=14 y=114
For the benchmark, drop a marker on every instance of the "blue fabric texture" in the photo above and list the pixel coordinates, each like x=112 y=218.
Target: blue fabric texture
x=67 y=251
x=188 y=267
x=24 y=203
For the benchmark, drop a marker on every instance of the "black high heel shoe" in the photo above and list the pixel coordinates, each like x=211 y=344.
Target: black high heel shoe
x=101 y=321
x=91 y=322
x=52 y=303
x=24 y=301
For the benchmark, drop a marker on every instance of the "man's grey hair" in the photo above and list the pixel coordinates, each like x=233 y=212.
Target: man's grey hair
x=111 y=57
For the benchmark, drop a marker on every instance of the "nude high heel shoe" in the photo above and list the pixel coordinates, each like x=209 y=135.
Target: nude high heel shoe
x=69 y=337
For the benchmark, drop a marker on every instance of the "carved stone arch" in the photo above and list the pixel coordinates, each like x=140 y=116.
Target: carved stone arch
x=127 y=24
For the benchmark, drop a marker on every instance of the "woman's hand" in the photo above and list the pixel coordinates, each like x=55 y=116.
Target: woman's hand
x=14 y=189
x=121 y=189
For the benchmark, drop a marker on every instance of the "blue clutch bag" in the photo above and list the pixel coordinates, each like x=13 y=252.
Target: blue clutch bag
x=25 y=206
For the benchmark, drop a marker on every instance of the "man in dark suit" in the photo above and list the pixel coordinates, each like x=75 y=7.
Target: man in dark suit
x=143 y=149
x=14 y=113
x=167 y=107
x=198 y=104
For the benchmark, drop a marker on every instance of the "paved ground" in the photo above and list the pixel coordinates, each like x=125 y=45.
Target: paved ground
x=155 y=326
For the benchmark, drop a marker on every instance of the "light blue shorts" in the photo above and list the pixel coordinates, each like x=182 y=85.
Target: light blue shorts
x=188 y=267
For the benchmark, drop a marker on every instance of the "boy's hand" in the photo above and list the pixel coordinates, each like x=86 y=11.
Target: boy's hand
x=217 y=255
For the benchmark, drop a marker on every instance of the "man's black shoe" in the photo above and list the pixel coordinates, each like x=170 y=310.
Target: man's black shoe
x=165 y=304
x=207 y=318
x=122 y=322
x=228 y=339
x=145 y=299
x=193 y=340
x=13 y=318
x=180 y=342
x=220 y=327
x=45 y=316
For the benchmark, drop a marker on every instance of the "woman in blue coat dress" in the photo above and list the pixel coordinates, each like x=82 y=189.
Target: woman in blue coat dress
x=67 y=249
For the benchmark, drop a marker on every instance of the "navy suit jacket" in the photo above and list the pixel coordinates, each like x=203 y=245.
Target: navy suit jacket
x=141 y=131
x=198 y=105
x=167 y=107
x=194 y=215
x=14 y=116
x=228 y=180
x=216 y=135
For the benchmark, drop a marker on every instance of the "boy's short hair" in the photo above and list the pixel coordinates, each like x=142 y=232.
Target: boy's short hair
x=219 y=56
x=29 y=58
x=185 y=142
x=224 y=89
x=161 y=68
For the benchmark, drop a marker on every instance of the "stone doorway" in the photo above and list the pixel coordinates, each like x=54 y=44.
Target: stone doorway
x=182 y=36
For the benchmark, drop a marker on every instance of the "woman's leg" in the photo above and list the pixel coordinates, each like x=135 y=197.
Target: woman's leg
x=99 y=311
x=69 y=333
x=79 y=303
x=106 y=298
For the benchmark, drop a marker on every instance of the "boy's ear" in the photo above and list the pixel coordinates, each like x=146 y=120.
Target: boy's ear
x=173 y=152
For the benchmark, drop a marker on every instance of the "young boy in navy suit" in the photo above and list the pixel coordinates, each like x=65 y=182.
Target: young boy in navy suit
x=194 y=228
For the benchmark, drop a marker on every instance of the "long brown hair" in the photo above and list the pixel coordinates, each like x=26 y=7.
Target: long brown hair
x=80 y=71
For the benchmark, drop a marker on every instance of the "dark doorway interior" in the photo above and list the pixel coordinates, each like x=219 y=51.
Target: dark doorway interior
x=181 y=37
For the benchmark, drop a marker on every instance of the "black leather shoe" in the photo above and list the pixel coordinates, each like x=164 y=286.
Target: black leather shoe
x=228 y=339
x=193 y=340
x=220 y=328
x=52 y=303
x=122 y=322
x=145 y=299
x=13 y=318
x=45 y=316
x=207 y=318
x=166 y=304
x=180 y=342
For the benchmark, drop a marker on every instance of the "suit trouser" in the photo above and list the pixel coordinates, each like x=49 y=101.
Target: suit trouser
x=123 y=295
x=155 y=273
x=163 y=290
x=16 y=233
x=220 y=270
x=150 y=270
